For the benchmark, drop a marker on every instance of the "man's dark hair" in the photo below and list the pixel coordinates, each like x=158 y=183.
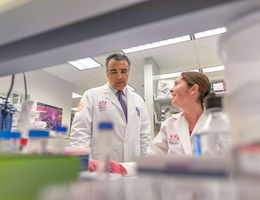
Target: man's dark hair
x=118 y=57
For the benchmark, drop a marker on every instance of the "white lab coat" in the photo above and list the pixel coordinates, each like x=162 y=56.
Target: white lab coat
x=172 y=139
x=130 y=139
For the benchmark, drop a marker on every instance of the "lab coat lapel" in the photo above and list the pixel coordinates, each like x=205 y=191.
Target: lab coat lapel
x=199 y=124
x=182 y=127
x=130 y=101
x=111 y=96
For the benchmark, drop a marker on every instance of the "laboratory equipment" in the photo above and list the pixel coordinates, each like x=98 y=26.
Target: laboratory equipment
x=60 y=139
x=239 y=50
x=104 y=146
x=214 y=135
x=14 y=141
x=24 y=119
x=9 y=141
x=37 y=141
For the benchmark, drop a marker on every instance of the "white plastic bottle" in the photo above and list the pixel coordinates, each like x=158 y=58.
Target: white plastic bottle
x=9 y=141
x=14 y=141
x=60 y=139
x=37 y=142
x=214 y=136
x=4 y=141
x=104 y=146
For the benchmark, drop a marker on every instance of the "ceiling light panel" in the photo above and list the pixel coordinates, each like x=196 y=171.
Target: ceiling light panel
x=85 y=63
x=213 y=69
x=172 y=75
x=210 y=32
x=157 y=44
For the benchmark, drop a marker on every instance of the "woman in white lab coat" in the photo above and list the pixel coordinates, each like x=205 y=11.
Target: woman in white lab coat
x=175 y=135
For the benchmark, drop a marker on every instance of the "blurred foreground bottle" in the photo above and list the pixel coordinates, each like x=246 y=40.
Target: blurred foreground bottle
x=9 y=141
x=37 y=142
x=60 y=139
x=104 y=146
x=214 y=136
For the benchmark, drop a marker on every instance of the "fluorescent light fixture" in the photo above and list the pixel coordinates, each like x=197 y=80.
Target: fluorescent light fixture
x=210 y=32
x=165 y=76
x=213 y=69
x=85 y=63
x=131 y=88
x=75 y=95
x=171 y=75
x=157 y=44
x=7 y=5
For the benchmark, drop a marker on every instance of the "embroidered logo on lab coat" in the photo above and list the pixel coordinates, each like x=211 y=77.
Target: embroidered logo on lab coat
x=102 y=105
x=137 y=111
x=174 y=139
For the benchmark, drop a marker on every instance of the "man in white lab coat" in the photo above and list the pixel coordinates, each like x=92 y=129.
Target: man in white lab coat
x=117 y=103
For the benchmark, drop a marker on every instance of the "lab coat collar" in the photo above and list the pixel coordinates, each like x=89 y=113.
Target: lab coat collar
x=112 y=97
x=199 y=123
x=183 y=128
x=115 y=91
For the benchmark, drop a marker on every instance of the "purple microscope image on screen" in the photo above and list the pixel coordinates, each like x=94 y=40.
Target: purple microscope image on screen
x=50 y=114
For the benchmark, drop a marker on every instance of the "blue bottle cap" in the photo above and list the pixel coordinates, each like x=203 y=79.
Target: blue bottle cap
x=39 y=133
x=105 y=125
x=5 y=135
x=61 y=128
x=15 y=135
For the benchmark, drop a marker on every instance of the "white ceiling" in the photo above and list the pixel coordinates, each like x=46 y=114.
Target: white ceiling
x=194 y=54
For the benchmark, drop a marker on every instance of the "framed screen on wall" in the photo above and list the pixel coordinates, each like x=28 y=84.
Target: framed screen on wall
x=50 y=114
x=218 y=86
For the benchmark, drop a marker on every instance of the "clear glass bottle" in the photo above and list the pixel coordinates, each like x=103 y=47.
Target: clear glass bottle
x=4 y=141
x=214 y=136
x=9 y=141
x=162 y=116
x=60 y=139
x=37 y=141
x=104 y=146
x=14 y=141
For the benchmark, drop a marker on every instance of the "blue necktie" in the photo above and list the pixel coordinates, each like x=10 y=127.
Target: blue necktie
x=122 y=102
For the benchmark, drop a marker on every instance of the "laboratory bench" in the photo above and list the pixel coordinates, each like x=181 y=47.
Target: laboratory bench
x=155 y=187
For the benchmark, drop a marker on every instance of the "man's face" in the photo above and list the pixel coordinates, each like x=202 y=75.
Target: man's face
x=117 y=73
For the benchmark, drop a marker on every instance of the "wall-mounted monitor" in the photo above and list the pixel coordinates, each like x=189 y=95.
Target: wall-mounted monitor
x=50 y=114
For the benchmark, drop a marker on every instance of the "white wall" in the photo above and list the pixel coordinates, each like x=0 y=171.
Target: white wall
x=44 y=88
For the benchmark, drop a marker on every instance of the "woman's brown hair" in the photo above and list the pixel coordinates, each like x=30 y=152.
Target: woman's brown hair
x=192 y=78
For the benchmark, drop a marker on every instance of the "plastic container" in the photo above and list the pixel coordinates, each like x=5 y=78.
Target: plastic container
x=162 y=116
x=15 y=141
x=37 y=141
x=104 y=146
x=239 y=51
x=214 y=136
x=9 y=141
x=60 y=139
x=5 y=141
